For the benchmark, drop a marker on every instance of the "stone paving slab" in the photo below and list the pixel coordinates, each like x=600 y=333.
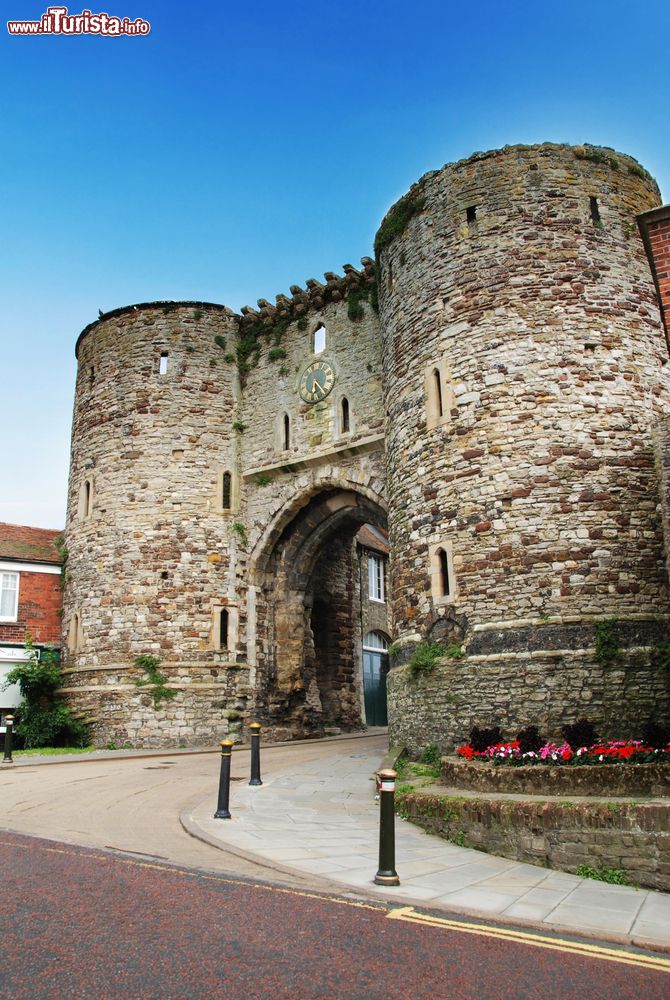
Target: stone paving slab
x=303 y=821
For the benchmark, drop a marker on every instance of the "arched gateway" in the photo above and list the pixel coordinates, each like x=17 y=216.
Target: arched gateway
x=496 y=381
x=309 y=607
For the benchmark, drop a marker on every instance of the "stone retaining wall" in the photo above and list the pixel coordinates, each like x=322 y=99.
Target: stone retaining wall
x=210 y=705
x=592 y=779
x=631 y=836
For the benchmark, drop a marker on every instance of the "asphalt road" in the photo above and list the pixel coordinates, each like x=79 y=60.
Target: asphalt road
x=133 y=804
x=76 y=922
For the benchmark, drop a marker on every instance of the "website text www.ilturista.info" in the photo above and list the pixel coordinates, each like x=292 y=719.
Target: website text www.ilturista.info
x=57 y=21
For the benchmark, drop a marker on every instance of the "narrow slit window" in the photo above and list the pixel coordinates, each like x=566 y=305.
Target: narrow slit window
x=223 y=629
x=287 y=432
x=319 y=339
x=445 y=585
x=226 y=491
x=163 y=364
x=91 y=375
x=595 y=210
x=87 y=499
x=74 y=632
x=471 y=214
x=437 y=381
x=346 y=426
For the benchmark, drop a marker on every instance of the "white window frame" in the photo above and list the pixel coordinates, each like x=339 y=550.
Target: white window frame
x=4 y=576
x=374 y=642
x=376 y=581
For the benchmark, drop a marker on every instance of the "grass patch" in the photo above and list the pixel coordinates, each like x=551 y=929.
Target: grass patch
x=614 y=876
x=398 y=217
x=52 y=751
x=426 y=655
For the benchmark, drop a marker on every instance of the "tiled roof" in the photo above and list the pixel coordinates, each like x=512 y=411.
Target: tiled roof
x=28 y=544
x=373 y=538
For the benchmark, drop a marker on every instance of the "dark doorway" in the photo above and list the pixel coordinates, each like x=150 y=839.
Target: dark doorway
x=309 y=617
x=375 y=669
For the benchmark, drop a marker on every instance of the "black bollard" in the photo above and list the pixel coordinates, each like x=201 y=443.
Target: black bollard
x=9 y=725
x=387 y=875
x=222 y=810
x=255 y=728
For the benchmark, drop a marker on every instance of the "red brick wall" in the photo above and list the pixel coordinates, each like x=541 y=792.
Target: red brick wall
x=656 y=234
x=40 y=597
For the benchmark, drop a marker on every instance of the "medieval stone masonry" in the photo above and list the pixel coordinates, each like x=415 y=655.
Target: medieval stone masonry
x=493 y=389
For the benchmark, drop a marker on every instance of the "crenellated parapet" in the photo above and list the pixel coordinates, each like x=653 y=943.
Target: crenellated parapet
x=315 y=295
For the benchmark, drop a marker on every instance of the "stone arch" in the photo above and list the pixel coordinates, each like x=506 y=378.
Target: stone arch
x=368 y=489
x=308 y=607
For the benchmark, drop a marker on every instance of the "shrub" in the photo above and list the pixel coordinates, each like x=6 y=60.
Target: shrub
x=581 y=733
x=430 y=755
x=481 y=739
x=656 y=734
x=44 y=719
x=530 y=739
x=607 y=642
x=160 y=691
x=615 y=876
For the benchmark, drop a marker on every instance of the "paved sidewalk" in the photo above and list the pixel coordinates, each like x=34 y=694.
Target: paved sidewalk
x=320 y=818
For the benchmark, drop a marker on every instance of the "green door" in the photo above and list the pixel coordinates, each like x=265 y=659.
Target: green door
x=375 y=668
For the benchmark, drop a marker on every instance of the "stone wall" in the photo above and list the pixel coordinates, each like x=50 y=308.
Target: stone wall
x=517 y=283
x=154 y=554
x=165 y=546
x=540 y=307
x=631 y=836
x=520 y=689
x=661 y=438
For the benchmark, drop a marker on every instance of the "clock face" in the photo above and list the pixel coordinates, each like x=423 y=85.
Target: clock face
x=316 y=382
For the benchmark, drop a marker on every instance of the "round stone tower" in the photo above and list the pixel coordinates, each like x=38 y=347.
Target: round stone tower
x=524 y=360
x=151 y=554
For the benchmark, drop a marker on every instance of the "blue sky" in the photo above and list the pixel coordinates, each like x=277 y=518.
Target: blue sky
x=244 y=147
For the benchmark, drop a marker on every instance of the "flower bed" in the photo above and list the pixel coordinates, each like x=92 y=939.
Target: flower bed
x=561 y=755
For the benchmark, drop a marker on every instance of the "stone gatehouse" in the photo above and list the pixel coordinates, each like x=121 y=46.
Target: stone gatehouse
x=490 y=389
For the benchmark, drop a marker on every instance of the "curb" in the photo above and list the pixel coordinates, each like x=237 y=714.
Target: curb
x=373 y=894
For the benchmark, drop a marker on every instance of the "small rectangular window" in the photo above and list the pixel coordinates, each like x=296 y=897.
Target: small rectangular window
x=471 y=214
x=9 y=596
x=376 y=579
x=595 y=211
x=223 y=629
x=163 y=364
x=226 y=491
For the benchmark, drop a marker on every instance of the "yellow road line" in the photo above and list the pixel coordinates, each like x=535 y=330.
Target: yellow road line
x=409 y=914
